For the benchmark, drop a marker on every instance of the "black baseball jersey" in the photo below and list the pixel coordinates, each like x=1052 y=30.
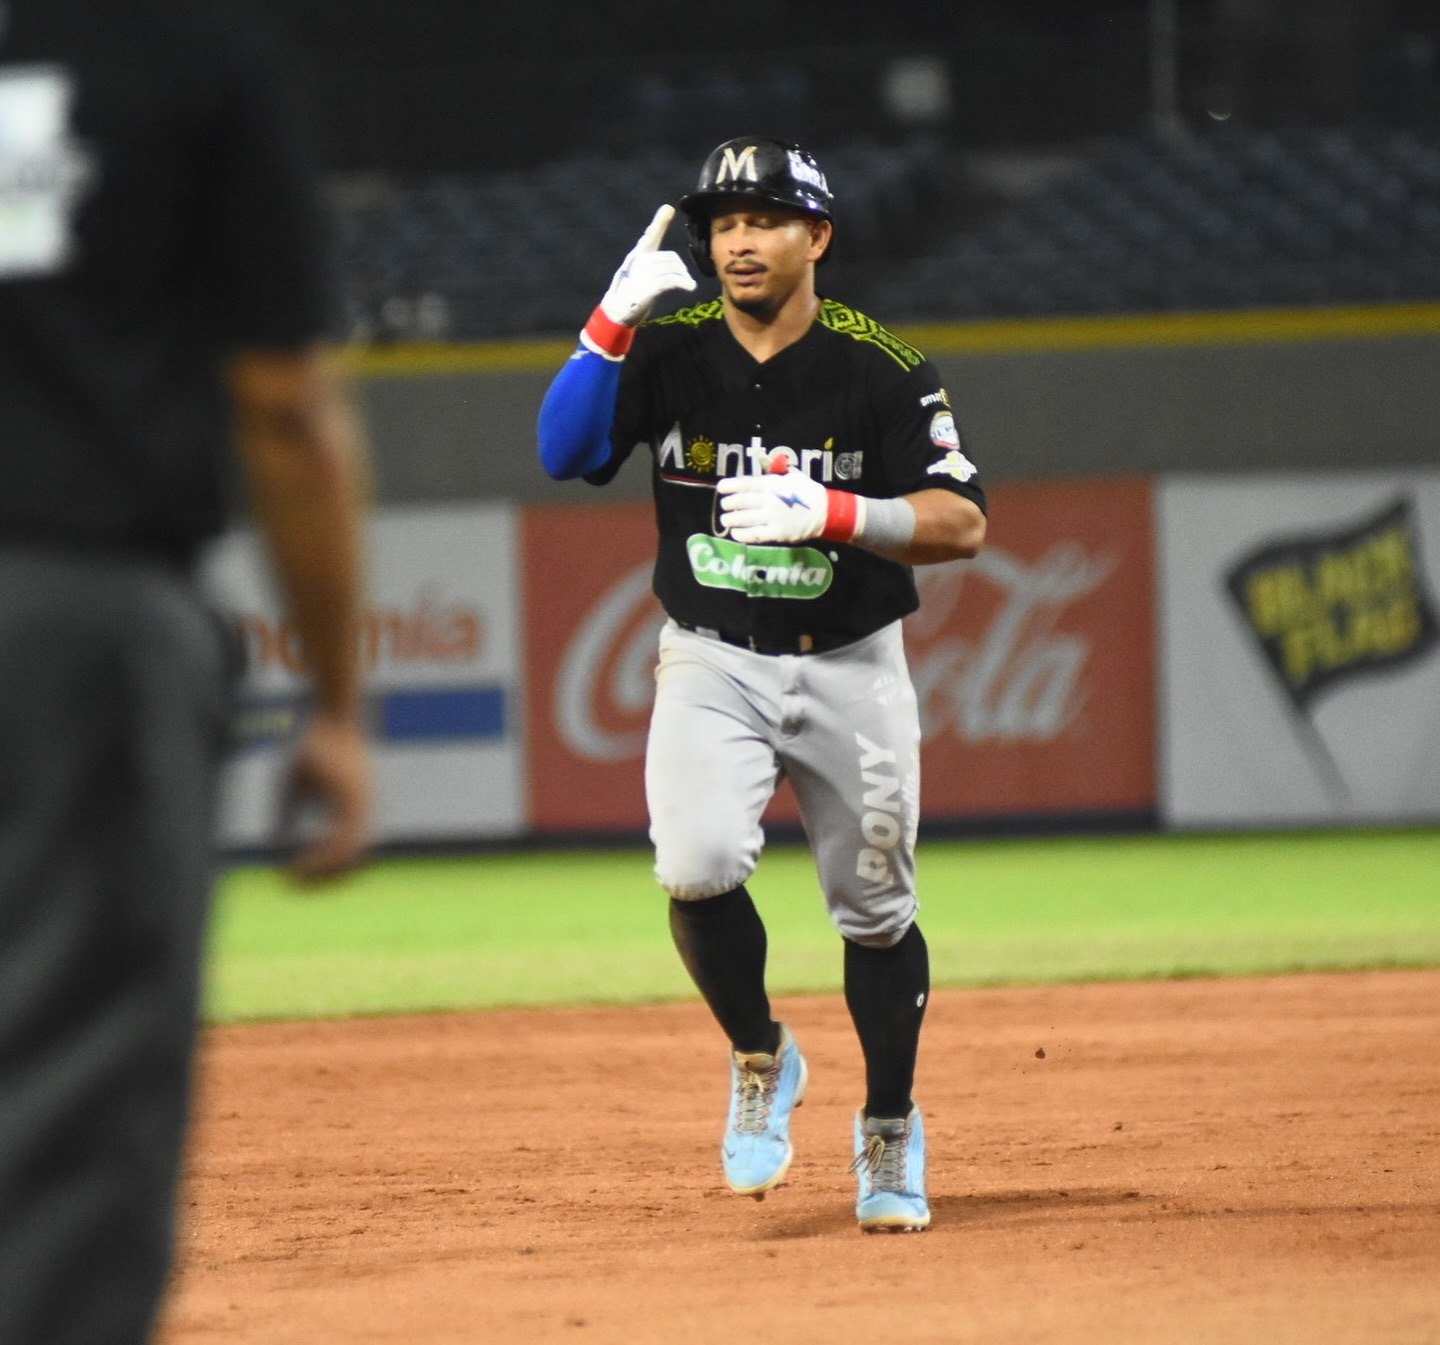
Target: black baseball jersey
x=855 y=406
x=160 y=209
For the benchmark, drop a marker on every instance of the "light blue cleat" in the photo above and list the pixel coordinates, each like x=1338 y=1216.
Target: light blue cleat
x=756 y=1151
x=890 y=1161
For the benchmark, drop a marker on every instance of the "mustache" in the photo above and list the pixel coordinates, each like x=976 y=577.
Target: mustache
x=745 y=264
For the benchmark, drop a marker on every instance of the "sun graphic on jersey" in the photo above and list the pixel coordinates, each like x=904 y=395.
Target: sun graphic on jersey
x=701 y=454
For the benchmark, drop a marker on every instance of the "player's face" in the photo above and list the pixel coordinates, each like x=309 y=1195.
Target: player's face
x=763 y=255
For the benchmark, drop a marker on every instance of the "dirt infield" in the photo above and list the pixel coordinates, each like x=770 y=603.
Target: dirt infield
x=1197 y=1161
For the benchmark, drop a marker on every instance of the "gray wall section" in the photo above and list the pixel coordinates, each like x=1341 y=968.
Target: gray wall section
x=1302 y=405
x=457 y=437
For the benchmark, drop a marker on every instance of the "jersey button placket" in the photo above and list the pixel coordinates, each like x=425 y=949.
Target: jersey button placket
x=757 y=389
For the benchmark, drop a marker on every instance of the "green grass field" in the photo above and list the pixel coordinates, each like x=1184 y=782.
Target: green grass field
x=570 y=927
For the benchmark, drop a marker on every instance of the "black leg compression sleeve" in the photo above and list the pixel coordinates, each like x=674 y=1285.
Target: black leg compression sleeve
x=721 y=941
x=886 y=990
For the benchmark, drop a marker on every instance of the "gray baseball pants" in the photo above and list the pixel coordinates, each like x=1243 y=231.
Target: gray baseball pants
x=728 y=725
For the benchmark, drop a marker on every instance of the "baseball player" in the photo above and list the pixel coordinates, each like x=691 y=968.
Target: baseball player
x=803 y=458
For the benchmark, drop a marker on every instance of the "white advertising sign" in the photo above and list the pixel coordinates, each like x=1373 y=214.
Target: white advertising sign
x=1300 y=649
x=442 y=652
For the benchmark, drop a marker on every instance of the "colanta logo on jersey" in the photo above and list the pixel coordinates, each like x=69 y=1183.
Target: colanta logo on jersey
x=759 y=571
x=43 y=170
x=706 y=457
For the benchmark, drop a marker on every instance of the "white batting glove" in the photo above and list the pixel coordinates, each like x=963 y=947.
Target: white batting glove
x=787 y=507
x=643 y=277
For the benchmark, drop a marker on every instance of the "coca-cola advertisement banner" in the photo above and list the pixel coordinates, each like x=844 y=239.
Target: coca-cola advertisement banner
x=1034 y=663
x=440 y=645
x=592 y=625
x=1301 y=682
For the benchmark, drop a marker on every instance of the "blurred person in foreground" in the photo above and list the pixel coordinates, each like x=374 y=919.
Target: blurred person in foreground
x=163 y=316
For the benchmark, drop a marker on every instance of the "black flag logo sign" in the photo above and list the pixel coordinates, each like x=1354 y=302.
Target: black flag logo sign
x=1326 y=607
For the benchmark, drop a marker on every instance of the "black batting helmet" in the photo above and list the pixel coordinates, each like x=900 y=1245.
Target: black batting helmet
x=768 y=171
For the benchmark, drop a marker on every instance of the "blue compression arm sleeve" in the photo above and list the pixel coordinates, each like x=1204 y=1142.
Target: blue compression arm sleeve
x=574 y=427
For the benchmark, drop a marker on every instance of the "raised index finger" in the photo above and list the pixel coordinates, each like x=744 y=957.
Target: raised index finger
x=650 y=239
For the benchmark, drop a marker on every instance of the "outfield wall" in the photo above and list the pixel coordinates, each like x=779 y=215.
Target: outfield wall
x=1200 y=651
x=1227 y=392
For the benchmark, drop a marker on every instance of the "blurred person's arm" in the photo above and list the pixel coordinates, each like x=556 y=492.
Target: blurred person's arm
x=299 y=443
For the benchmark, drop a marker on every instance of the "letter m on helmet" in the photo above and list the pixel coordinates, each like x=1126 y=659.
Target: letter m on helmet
x=733 y=166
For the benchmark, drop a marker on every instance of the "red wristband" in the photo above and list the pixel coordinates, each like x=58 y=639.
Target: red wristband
x=841 y=514
x=614 y=338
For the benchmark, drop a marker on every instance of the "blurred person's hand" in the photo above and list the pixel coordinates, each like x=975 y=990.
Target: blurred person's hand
x=328 y=810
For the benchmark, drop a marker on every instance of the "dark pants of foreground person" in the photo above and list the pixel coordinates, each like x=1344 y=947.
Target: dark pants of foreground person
x=114 y=683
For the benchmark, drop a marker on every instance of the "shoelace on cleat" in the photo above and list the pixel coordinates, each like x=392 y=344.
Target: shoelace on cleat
x=756 y=1091
x=884 y=1163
